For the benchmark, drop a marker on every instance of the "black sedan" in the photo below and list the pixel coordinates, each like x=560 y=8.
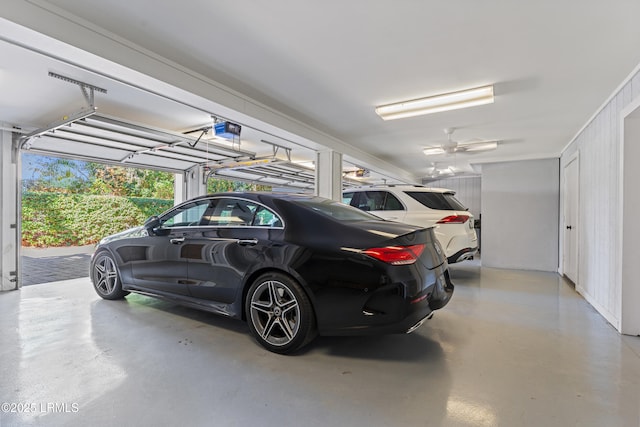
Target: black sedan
x=292 y=266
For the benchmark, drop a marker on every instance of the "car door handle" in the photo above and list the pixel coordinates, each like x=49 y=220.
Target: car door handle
x=247 y=242
x=177 y=240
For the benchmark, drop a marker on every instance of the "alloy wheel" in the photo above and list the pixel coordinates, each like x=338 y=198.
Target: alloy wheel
x=275 y=313
x=105 y=275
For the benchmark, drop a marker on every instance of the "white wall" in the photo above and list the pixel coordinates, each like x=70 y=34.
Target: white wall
x=599 y=249
x=520 y=205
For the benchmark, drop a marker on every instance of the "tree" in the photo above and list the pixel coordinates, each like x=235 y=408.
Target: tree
x=48 y=174
x=215 y=185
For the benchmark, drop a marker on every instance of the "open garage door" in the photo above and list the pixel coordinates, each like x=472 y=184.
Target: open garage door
x=104 y=139
x=215 y=147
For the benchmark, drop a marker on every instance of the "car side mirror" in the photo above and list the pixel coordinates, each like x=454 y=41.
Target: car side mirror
x=152 y=224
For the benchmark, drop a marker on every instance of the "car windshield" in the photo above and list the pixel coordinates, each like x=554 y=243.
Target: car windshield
x=438 y=201
x=337 y=210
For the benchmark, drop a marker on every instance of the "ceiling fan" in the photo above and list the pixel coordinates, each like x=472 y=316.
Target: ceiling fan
x=452 y=146
x=447 y=169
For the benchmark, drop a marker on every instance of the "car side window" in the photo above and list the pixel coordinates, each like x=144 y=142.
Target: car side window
x=347 y=198
x=364 y=201
x=187 y=215
x=392 y=203
x=377 y=201
x=355 y=201
x=266 y=218
x=239 y=213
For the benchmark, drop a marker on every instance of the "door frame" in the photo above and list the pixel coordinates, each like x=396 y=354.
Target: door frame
x=629 y=228
x=574 y=158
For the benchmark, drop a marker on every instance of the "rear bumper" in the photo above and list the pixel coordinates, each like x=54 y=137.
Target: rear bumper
x=462 y=255
x=387 y=312
x=406 y=325
x=456 y=240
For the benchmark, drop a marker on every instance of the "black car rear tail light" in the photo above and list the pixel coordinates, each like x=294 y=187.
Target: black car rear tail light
x=454 y=219
x=420 y=298
x=396 y=255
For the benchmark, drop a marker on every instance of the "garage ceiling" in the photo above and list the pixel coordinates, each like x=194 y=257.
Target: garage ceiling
x=328 y=64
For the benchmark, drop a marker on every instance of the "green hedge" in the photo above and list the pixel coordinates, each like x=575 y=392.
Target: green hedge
x=53 y=219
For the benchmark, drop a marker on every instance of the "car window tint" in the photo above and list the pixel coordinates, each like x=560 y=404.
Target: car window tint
x=187 y=215
x=239 y=213
x=376 y=201
x=230 y=212
x=438 y=201
x=347 y=198
x=392 y=203
x=266 y=218
x=355 y=202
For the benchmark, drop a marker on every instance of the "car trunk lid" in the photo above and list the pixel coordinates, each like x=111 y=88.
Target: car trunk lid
x=405 y=246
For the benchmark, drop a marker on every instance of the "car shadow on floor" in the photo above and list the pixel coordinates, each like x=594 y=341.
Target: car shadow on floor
x=396 y=347
x=137 y=303
x=400 y=347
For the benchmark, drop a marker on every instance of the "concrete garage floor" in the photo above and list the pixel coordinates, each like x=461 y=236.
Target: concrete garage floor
x=512 y=348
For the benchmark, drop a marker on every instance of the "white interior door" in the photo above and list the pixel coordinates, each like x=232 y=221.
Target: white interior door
x=630 y=232
x=571 y=198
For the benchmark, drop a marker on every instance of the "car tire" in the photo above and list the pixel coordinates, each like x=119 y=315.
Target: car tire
x=106 y=277
x=279 y=313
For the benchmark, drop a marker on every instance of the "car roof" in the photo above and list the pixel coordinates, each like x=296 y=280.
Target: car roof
x=419 y=188
x=255 y=195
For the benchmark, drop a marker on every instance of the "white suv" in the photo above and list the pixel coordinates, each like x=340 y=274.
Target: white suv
x=424 y=207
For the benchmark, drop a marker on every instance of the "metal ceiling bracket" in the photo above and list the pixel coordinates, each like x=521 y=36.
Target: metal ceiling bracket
x=82 y=85
x=87 y=90
x=204 y=132
x=277 y=147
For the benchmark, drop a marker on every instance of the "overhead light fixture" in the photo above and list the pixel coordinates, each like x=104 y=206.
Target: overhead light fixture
x=433 y=151
x=356 y=172
x=437 y=103
x=482 y=146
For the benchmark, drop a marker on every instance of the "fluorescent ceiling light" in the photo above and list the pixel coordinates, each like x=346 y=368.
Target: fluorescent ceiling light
x=433 y=151
x=435 y=104
x=482 y=146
